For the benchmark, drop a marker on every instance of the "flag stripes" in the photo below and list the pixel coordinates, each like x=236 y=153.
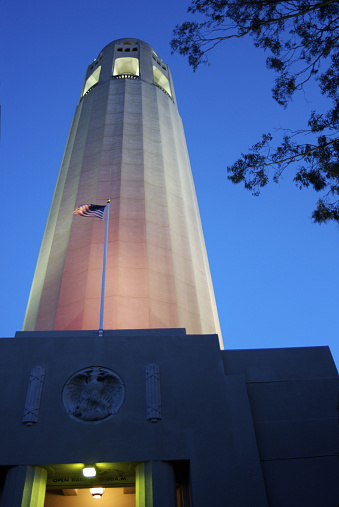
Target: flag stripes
x=86 y=210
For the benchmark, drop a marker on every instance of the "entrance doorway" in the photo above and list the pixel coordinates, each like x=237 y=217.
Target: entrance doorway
x=82 y=497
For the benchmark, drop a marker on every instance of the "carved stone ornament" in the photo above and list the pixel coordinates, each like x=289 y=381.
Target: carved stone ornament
x=153 y=396
x=32 y=405
x=93 y=394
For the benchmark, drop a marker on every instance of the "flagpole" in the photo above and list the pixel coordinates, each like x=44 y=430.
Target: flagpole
x=101 y=331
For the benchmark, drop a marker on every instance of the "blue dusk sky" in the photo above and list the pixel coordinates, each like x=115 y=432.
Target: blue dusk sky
x=275 y=274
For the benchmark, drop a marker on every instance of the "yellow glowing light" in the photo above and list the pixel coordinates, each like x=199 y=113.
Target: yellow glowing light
x=92 y=80
x=97 y=492
x=126 y=65
x=161 y=80
x=89 y=472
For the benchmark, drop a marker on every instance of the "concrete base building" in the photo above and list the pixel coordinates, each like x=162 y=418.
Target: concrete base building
x=181 y=423
x=153 y=413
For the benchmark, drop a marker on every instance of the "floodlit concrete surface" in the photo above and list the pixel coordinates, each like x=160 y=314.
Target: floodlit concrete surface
x=126 y=144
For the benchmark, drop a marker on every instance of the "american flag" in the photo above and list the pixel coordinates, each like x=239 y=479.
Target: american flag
x=87 y=210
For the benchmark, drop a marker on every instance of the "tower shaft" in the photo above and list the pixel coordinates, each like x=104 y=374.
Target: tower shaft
x=126 y=143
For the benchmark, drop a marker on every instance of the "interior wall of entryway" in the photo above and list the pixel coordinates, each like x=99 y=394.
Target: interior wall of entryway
x=112 y=496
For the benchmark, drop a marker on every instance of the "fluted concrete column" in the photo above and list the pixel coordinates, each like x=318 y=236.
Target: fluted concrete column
x=25 y=486
x=155 y=485
x=127 y=144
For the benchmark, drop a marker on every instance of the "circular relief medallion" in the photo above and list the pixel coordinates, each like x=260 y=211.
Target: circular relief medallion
x=93 y=394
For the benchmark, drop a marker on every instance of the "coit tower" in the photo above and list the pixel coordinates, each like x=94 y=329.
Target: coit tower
x=126 y=144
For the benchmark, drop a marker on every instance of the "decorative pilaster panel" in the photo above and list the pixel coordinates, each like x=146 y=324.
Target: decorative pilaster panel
x=155 y=485
x=25 y=486
x=153 y=395
x=33 y=397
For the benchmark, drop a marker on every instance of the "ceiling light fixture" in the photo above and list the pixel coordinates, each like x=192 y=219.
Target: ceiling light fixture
x=97 y=492
x=89 y=471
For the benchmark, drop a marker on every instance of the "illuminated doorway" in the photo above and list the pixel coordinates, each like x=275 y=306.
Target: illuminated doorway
x=128 y=484
x=82 y=497
x=70 y=485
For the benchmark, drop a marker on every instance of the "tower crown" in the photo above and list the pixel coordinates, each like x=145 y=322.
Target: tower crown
x=128 y=59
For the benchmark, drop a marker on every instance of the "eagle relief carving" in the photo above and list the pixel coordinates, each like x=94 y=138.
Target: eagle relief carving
x=93 y=394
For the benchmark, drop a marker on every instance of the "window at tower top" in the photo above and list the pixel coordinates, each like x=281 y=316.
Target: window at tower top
x=159 y=62
x=96 y=61
x=161 y=81
x=127 y=67
x=92 y=80
x=127 y=47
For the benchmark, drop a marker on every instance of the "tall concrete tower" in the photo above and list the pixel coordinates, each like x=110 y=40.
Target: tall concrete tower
x=159 y=417
x=126 y=143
